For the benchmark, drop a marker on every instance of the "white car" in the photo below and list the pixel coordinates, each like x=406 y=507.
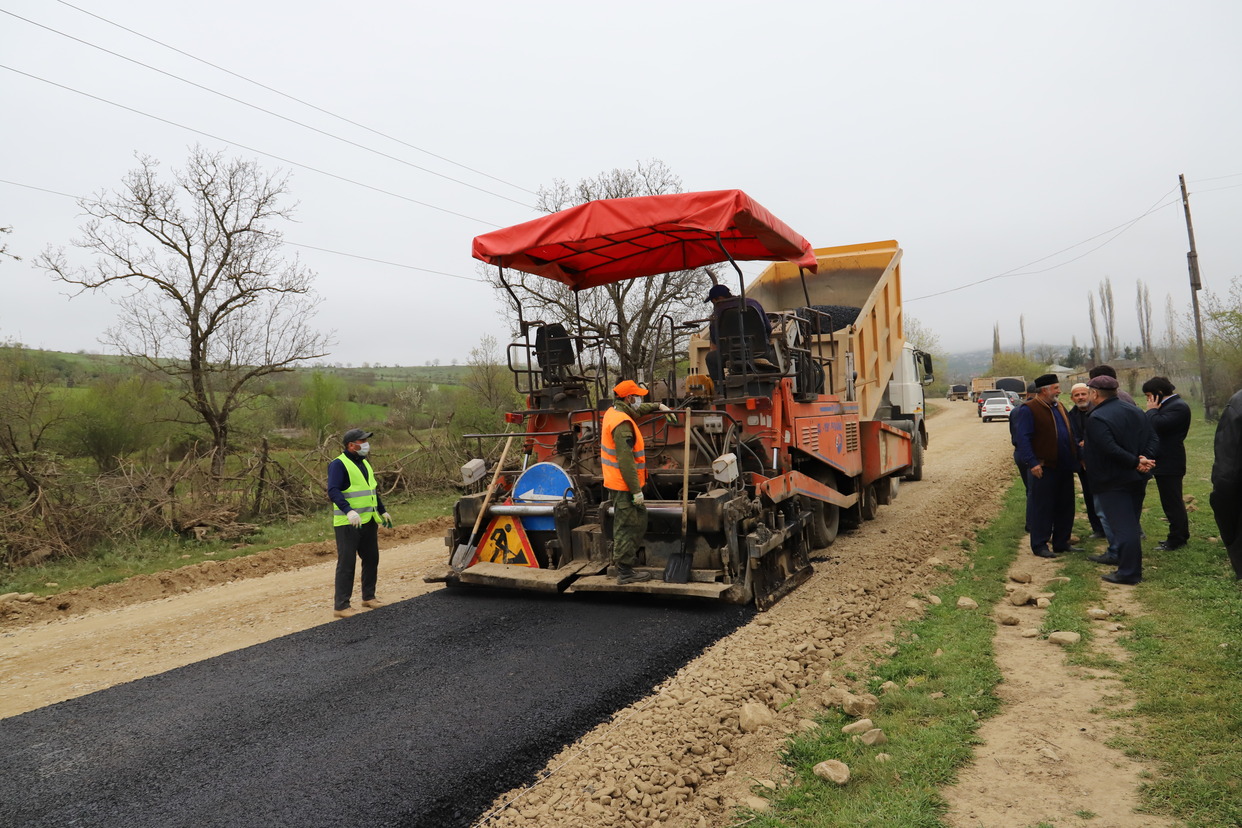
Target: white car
x=996 y=408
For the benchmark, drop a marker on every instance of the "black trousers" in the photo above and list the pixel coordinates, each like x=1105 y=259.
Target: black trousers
x=1170 y=488
x=352 y=543
x=1050 y=509
x=1088 y=500
x=1120 y=507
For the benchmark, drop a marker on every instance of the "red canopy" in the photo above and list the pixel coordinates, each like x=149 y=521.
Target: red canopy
x=623 y=238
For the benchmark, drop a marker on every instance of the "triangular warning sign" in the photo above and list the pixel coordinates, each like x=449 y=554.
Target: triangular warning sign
x=505 y=542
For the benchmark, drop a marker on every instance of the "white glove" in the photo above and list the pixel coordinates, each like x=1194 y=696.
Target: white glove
x=664 y=407
x=669 y=417
x=355 y=519
x=639 y=500
x=386 y=521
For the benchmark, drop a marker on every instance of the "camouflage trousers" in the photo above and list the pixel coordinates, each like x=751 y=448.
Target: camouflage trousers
x=629 y=526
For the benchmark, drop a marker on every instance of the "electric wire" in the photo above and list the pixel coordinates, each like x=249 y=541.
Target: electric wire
x=83 y=200
x=248 y=148
x=296 y=99
x=1021 y=270
x=264 y=110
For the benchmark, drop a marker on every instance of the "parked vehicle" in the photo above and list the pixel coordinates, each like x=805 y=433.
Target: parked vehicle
x=990 y=393
x=997 y=408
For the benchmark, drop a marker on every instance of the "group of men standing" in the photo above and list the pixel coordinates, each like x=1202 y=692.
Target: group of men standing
x=1112 y=447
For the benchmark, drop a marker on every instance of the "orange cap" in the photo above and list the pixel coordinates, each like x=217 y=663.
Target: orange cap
x=627 y=387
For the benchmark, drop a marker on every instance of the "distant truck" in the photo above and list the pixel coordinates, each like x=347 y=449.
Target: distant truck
x=979 y=384
x=958 y=392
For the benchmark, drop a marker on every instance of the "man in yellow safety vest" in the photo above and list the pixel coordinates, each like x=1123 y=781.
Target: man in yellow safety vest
x=357 y=513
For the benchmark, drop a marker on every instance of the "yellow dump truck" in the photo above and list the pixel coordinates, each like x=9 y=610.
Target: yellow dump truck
x=855 y=299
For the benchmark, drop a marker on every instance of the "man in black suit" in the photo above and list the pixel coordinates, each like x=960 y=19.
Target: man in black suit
x=1170 y=417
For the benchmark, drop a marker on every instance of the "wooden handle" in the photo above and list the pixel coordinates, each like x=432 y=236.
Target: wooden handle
x=685 y=480
x=491 y=489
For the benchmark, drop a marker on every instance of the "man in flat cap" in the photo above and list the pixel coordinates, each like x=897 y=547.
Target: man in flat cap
x=1044 y=443
x=1118 y=448
x=357 y=513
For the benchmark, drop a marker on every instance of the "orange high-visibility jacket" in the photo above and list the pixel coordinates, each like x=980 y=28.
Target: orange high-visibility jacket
x=613 y=417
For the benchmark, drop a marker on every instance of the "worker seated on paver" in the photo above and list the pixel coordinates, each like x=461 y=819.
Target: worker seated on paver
x=739 y=324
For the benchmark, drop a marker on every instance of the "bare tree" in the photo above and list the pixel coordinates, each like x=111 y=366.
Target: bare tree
x=209 y=300
x=488 y=378
x=1097 y=355
x=1109 y=314
x=1022 y=332
x=1144 y=318
x=996 y=349
x=4 y=246
x=1045 y=354
x=627 y=314
x=920 y=336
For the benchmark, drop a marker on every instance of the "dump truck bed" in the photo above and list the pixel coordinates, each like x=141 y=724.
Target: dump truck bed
x=863 y=276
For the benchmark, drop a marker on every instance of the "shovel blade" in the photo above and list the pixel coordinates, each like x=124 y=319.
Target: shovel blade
x=677 y=570
x=461 y=556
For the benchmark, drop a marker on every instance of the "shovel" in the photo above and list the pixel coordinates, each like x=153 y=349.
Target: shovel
x=677 y=570
x=465 y=551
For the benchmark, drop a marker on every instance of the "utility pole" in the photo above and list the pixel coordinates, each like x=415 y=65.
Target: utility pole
x=1192 y=261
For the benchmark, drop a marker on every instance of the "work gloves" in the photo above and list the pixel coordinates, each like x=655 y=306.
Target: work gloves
x=386 y=520
x=669 y=416
x=355 y=519
x=639 y=500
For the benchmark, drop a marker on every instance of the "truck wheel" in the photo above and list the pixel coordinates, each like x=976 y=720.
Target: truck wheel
x=868 y=502
x=916 y=466
x=825 y=517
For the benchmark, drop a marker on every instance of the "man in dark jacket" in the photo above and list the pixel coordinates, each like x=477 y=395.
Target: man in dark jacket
x=1078 y=413
x=1118 y=448
x=1170 y=417
x=1045 y=443
x=1227 y=481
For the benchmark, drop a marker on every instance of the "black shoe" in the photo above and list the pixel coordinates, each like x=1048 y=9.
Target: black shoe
x=628 y=575
x=1165 y=546
x=1046 y=553
x=1114 y=578
x=1111 y=560
x=1098 y=534
x=1069 y=549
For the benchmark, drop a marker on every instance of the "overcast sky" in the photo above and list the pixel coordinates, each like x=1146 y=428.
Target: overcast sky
x=1020 y=152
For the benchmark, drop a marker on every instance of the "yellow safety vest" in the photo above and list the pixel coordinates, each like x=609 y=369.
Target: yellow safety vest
x=614 y=417
x=362 y=497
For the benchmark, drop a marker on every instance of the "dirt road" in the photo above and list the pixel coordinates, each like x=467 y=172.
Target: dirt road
x=679 y=756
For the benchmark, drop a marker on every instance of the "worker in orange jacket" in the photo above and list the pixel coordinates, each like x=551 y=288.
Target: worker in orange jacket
x=624 y=462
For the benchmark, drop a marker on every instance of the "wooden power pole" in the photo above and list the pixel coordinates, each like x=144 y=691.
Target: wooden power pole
x=1192 y=261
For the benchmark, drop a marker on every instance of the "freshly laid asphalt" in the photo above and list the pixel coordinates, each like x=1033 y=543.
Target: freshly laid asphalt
x=417 y=714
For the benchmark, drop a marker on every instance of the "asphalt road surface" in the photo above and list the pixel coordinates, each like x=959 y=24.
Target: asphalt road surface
x=416 y=714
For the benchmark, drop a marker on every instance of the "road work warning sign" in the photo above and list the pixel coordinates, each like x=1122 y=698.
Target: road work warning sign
x=505 y=542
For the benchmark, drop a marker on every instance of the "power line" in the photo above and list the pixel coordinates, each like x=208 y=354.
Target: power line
x=296 y=99
x=279 y=158
x=263 y=110
x=1021 y=270
x=285 y=241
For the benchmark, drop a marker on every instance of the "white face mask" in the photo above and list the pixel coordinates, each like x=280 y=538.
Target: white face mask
x=364 y=449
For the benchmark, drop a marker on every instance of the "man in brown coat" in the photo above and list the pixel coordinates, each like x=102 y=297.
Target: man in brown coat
x=1044 y=443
